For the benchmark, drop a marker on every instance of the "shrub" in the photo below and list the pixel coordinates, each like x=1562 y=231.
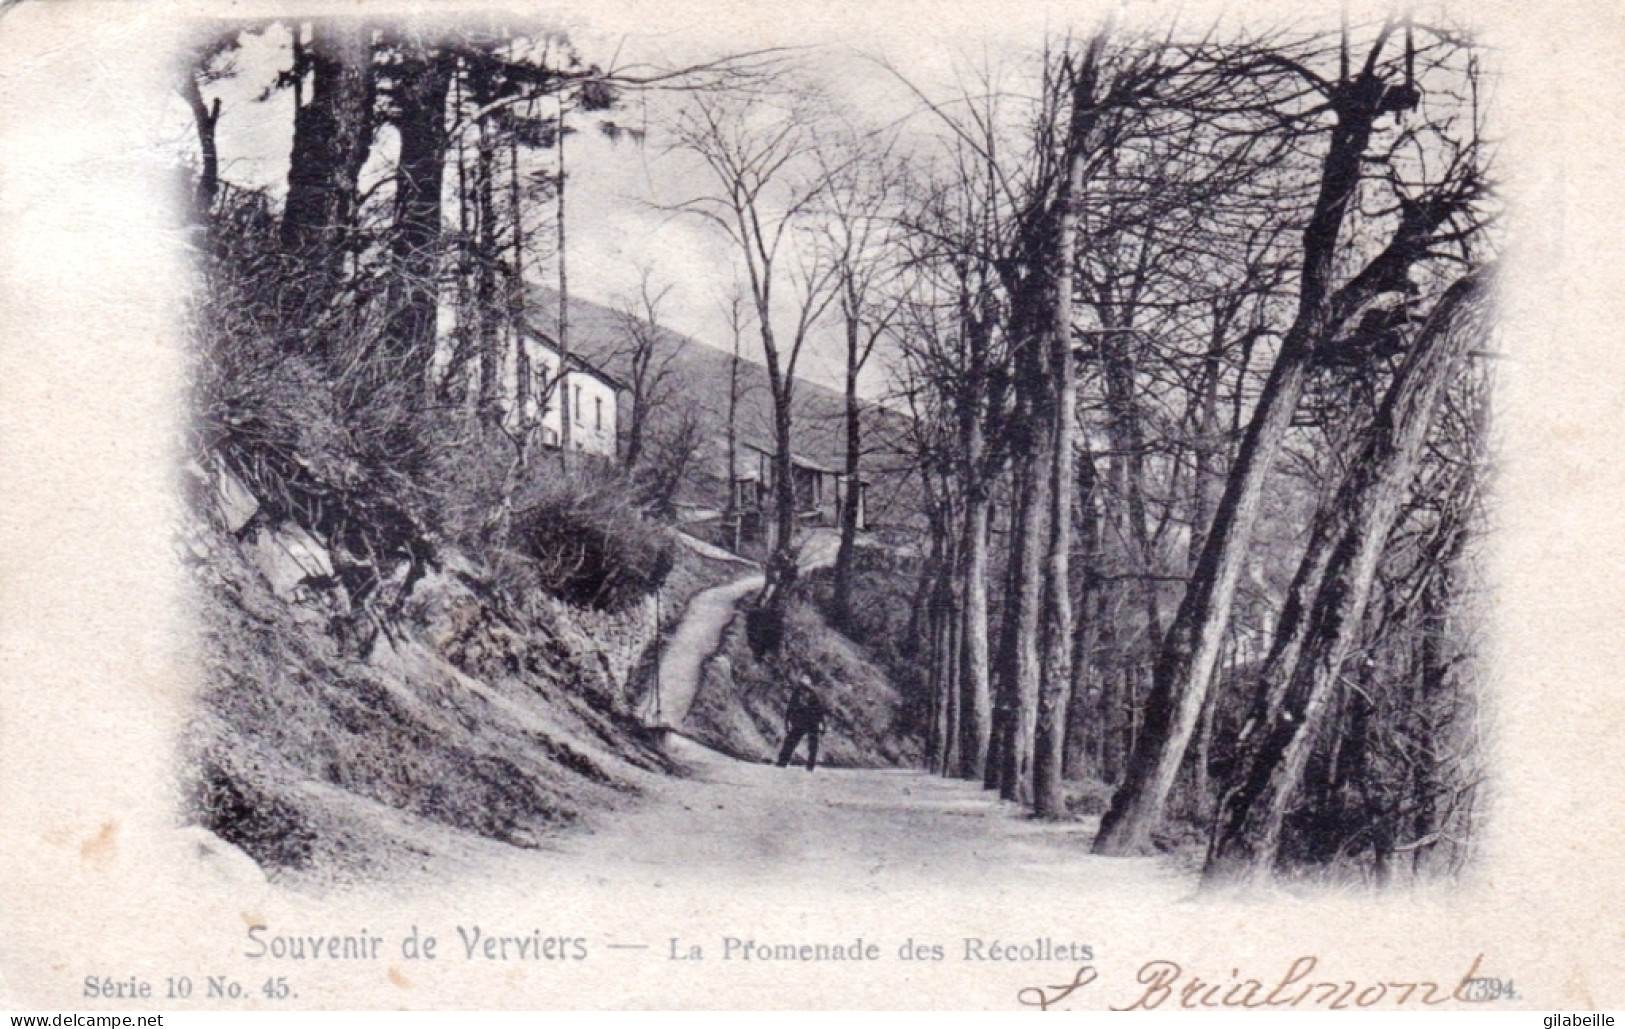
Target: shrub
x=884 y=585
x=588 y=544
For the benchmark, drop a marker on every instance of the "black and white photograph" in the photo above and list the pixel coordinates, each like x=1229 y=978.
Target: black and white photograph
x=999 y=469
x=1097 y=430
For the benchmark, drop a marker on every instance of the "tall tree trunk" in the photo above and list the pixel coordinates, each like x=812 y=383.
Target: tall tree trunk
x=1026 y=605
x=488 y=337
x=634 y=432
x=1031 y=439
x=936 y=752
x=1082 y=721
x=1004 y=664
x=332 y=136
x=936 y=738
x=975 y=689
x=420 y=99
x=1055 y=672
x=1055 y=688
x=951 y=654
x=1190 y=649
x=732 y=513
x=206 y=117
x=974 y=697
x=784 y=496
x=781 y=563
x=851 y=501
x=932 y=617
x=1368 y=503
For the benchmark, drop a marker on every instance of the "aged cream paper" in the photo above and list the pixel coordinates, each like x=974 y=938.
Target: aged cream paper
x=97 y=882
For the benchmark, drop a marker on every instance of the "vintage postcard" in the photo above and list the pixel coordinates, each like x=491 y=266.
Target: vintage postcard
x=819 y=505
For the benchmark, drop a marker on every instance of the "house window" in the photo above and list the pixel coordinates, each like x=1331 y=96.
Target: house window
x=598 y=413
x=577 y=405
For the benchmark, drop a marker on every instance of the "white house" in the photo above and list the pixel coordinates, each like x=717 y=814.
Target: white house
x=589 y=392
x=592 y=391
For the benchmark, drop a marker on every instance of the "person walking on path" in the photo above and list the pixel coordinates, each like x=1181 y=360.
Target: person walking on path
x=804 y=717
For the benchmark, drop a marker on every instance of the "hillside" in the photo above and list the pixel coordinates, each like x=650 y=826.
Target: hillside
x=699 y=384
x=414 y=649
x=480 y=713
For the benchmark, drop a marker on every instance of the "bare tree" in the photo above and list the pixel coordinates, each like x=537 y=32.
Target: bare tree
x=1083 y=82
x=1356 y=101
x=929 y=437
x=670 y=453
x=764 y=192
x=650 y=356
x=863 y=180
x=1359 y=520
x=739 y=386
x=964 y=246
x=952 y=350
x=1181 y=269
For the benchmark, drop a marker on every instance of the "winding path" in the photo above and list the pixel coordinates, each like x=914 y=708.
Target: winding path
x=696 y=638
x=742 y=823
x=700 y=633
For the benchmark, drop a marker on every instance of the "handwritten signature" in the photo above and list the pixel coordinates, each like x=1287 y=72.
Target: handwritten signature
x=1165 y=982
x=1037 y=997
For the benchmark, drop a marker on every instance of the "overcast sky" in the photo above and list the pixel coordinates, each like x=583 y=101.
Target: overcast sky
x=616 y=190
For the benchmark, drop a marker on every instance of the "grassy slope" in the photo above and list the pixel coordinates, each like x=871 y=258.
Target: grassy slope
x=484 y=723
x=739 y=708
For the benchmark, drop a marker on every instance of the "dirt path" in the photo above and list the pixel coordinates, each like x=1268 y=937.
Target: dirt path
x=700 y=632
x=696 y=639
x=756 y=824
x=737 y=822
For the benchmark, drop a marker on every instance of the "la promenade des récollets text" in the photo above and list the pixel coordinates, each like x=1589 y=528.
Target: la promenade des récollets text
x=475 y=943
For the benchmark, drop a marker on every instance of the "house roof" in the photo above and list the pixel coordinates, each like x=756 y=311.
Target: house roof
x=575 y=360
x=796 y=460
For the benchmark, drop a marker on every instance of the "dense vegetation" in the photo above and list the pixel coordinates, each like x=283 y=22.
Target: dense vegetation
x=410 y=619
x=1186 y=346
